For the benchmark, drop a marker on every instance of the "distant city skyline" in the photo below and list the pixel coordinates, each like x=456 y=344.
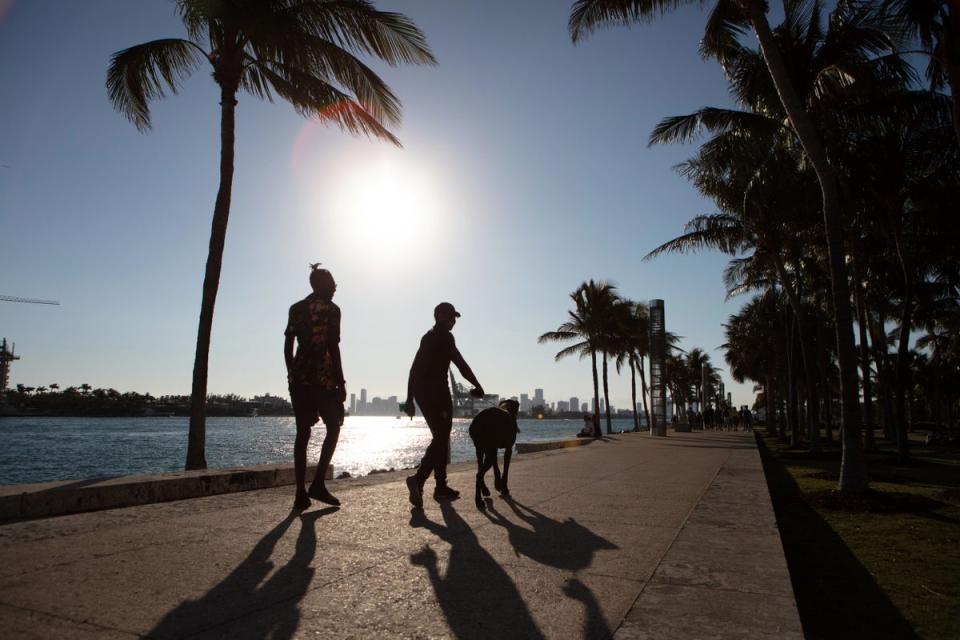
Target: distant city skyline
x=382 y=403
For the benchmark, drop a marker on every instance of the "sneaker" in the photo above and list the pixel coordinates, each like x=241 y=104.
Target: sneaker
x=321 y=494
x=445 y=493
x=301 y=502
x=416 y=492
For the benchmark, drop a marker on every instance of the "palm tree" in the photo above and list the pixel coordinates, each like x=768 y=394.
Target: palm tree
x=936 y=25
x=609 y=313
x=633 y=349
x=302 y=50
x=586 y=324
x=727 y=22
x=751 y=347
x=698 y=361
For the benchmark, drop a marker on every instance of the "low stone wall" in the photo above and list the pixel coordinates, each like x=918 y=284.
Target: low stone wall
x=532 y=447
x=27 y=501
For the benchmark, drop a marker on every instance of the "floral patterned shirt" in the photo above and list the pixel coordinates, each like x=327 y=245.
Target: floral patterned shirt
x=316 y=324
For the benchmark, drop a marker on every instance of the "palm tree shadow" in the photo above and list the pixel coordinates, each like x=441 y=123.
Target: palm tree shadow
x=477 y=596
x=243 y=592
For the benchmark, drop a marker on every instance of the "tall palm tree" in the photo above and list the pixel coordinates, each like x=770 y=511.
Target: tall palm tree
x=632 y=350
x=301 y=50
x=586 y=325
x=729 y=20
x=698 y=361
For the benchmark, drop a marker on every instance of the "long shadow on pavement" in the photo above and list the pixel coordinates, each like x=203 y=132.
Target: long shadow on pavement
x=241 y=594
x=836 y=595
x=566 y=545
x=478 y=598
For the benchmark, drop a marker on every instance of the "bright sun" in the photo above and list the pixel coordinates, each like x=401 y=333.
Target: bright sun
x=387 y=212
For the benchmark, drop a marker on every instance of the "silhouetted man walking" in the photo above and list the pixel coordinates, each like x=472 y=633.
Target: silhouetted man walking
x=428 y=386
x=315 y=376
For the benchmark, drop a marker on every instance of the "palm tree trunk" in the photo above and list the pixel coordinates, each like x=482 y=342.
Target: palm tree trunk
x=853 y=469
x=878 y=338
x=633 y=395
x=643 y=388
x=792 y=417
x=953 y=72
x=596 y=396
x=860 y=300
x=806 y=353
x=196 y=441
x=903 y=353
x=771 y=417
x=606 y=393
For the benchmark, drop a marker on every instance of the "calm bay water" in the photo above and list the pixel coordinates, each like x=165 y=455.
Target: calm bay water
x=48 y=449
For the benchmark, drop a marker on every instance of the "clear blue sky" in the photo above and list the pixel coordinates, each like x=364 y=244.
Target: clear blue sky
x=527 y=156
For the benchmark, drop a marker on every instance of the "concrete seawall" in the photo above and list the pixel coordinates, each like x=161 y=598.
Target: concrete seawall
x=42 y=500
x=547 y=445
x=26 y=501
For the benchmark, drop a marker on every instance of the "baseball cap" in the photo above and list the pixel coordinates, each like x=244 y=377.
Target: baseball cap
x=445 y=309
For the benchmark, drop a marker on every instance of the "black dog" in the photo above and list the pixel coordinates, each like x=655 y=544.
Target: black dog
x=492 y=429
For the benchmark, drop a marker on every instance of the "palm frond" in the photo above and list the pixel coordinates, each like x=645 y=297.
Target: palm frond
x=356 y=25
x=557 y=336
x=712 y=119
x=716 y=231
x=725 y=26
x=312 y=97
x=586 y=16
x=330 y=61
x=197 y=15
x=742 y=275
x=581 y=349
x=146 y=72
x=255 y=83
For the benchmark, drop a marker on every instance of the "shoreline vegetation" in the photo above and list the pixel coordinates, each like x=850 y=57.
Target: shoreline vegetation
x=87 y=402
x=882 y=564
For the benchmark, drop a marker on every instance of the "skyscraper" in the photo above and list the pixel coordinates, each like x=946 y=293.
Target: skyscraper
x=525 y=402
x=362 y=405
x=574 y=403
x=353 y=403
x=538 y=397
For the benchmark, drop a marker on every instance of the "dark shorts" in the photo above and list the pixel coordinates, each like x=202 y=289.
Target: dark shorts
x=311 y=405
x=436 y=405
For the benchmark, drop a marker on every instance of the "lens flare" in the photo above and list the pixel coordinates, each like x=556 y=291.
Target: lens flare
x=382 y=206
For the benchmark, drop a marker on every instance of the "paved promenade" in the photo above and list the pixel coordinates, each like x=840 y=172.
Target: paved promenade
x=629 y=537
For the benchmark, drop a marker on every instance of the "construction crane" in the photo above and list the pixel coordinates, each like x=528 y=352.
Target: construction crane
x=27 y=300
x=7 y=356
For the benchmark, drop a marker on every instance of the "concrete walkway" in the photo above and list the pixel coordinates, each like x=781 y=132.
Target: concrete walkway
x=632 y=536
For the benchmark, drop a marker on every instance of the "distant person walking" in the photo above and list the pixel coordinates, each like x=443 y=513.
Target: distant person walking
x=427 y=385
x=315 y=378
